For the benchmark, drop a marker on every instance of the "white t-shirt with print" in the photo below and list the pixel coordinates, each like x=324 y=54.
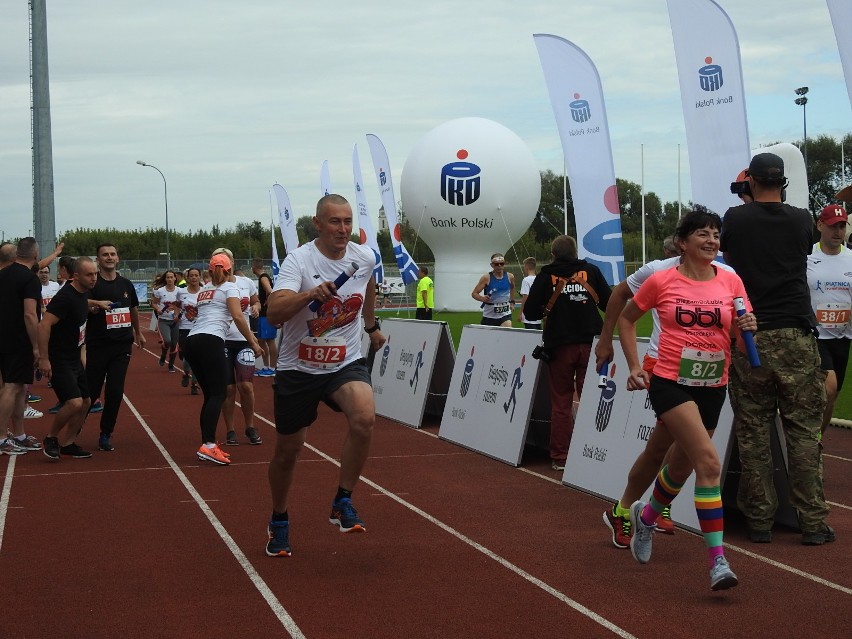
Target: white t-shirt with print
x=248 y=289
x=830 y=283
x=163 y=297
x=214 y=318
x=337 y=320
x=526 y=283
x=188 y=308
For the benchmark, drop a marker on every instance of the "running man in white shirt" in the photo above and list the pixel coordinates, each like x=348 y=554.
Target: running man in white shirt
x=320 y=359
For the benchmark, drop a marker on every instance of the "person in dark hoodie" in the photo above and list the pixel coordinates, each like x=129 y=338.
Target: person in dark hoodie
x=572 y=321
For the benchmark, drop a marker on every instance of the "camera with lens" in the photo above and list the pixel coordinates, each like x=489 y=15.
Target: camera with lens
x=740 y=188
x=540 y=352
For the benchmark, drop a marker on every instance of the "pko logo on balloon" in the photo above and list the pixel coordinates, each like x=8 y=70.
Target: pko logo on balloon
x=460 y=181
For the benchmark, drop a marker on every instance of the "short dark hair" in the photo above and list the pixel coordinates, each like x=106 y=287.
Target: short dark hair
x=698 y=218
x=424 y=270
x=564 y=247
x=27 y=248
x=103 y=244
x=331 y=198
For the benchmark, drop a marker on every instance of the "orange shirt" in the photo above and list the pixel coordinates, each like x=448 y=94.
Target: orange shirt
x=695 y=322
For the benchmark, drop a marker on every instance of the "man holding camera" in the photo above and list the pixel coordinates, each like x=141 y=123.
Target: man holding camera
x=568 y=293
x=768 y=242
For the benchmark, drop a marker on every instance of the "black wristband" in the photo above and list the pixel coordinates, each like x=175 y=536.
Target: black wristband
x=373 y=328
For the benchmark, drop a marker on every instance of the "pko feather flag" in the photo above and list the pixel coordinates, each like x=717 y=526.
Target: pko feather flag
x=841 y=19
x=707 y=53
x=286 y=218
x=276 y=263
x=578 y=104
x=366 y=232
x=407 y=267
x=325 y=179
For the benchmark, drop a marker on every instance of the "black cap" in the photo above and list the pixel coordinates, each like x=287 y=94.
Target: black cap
x=766 y=166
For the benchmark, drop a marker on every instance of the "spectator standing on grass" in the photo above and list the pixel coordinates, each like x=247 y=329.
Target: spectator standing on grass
x=218 y=307
x=61 y=335
x=320 y=361
x=688 y=383
x=110 y=335
x=568 y=292
x=496 y=291
x=425 y=295
x=526 y=283
x=768 y=242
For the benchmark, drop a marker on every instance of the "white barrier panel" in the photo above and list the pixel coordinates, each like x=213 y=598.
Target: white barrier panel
x=412 y=366
x=490 y=397
x=612 y=428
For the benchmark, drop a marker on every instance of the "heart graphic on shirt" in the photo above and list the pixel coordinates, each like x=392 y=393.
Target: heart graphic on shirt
x=335 y=313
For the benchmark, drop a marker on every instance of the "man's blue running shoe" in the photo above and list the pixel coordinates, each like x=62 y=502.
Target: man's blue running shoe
x=279 y=539
x=343 y=514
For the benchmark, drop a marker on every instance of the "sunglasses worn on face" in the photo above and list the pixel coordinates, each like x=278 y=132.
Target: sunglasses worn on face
x=497 y=263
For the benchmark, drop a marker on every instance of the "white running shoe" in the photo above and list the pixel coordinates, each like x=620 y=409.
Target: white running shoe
x=32 y=413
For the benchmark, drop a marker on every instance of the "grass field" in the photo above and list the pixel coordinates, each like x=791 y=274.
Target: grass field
x=456 y=321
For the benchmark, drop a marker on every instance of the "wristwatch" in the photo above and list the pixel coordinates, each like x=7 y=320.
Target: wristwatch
x=373 y=328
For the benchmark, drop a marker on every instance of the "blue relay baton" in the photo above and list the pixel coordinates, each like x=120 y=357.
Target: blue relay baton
x=340 y=281
x=603 y=377
x=748 y=336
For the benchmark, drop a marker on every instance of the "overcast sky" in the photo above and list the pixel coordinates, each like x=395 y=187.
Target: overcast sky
x=226 y=98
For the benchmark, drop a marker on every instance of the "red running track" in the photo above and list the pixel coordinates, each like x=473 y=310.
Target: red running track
x=147 y=541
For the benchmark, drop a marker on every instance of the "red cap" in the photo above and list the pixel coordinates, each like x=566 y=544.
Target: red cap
x=832 y=214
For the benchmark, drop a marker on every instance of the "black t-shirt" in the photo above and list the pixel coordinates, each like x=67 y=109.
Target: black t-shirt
x=261 y=293
x=68 y=334
x=17 y=283
x=574 y=318
x=122 y=292
x=768 y=244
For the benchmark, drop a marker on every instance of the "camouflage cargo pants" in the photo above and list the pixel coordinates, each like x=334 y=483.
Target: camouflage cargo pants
x=789 y=380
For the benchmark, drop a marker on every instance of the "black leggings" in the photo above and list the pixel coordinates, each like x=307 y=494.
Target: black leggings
x=209 y=359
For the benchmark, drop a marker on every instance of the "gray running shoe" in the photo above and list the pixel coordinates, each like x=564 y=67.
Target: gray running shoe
x=721 y=575
x=642 y=539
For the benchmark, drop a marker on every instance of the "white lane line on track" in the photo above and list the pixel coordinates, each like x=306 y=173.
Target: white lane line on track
x=790 y=569
x=264 y=590
x=4 y=496
x=836 y=505
x=586 y=612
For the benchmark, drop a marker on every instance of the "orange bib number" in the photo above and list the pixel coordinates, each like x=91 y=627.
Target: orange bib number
x=833 y=315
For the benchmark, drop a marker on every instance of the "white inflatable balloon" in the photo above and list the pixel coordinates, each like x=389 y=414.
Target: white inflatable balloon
x=470 y=188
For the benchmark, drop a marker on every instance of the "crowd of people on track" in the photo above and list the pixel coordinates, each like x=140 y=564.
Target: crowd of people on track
x=793 y=298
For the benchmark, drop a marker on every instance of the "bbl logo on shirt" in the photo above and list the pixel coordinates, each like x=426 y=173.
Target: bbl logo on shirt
x=710 y=76
x=580 y=111
x=460 y=181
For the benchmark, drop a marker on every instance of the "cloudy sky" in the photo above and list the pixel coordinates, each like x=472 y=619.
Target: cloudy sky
x=226 y=98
